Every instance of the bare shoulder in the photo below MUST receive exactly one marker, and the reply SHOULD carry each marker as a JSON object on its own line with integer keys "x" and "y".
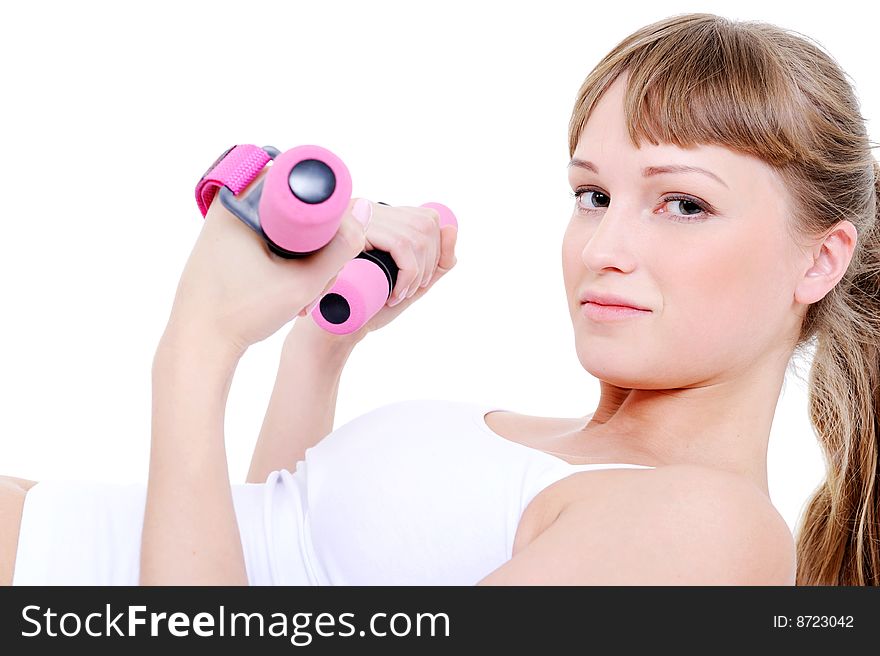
{"x": 674, "y": 525}
{"x": 709, "y": 526}
{"x": 12, "y": 494}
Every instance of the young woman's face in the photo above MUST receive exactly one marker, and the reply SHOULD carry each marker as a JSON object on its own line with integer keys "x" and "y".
{"x": 717, "y": 270}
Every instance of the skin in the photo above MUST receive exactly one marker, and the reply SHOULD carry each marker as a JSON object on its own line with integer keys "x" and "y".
{"x": 217, "y": 315}
{"x": 696, "y": 380}
{"x": 12, "y": 493}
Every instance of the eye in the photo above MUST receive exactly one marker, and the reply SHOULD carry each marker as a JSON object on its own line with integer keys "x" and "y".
{"x": 600, "y": 197}
{"x": 686, "y": 204}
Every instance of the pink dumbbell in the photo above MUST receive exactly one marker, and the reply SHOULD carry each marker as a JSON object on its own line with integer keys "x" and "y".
{"x": 296, "y": 208}
{"x": 363, "y": 286}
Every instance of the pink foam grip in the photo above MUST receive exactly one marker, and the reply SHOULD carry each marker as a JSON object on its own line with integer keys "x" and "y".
{"x": 364, "y": 285}
{"x": 296, "y": 225}
{"x": 446, "y": 215}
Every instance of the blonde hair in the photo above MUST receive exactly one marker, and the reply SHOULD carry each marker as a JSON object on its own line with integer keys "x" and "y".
{"x": 776, "y": 95}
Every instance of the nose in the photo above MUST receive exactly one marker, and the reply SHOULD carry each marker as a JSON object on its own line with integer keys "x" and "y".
{"x": 612, "y": 244}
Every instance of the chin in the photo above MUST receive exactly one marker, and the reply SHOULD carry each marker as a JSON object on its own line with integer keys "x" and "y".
{"x": 616, "y": 378}
{"x": 609, "y": 365}
{"x": 622, "y": 367}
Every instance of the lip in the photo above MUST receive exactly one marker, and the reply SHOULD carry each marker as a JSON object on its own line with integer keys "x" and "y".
{"x": 610, "y": 300}
{"x": 597, "y": 312}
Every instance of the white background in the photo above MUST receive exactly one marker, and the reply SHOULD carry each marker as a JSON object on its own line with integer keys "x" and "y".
{"x": 111, "y": 112}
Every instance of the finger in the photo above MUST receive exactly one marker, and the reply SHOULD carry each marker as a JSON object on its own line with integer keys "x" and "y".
{"x": 448, "y": 240}
{"x": 432, "y": 230}
{"x": 421, "y": 247}
{"x": 424, "y": 235}
{"x": 448, "y": 235}
{"x": 408, "y": 270}
{"x": 397, "y": 240}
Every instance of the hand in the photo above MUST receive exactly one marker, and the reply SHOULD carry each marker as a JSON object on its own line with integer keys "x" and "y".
{"x": 235, "y": 290}
{"x": 423, "y": 251}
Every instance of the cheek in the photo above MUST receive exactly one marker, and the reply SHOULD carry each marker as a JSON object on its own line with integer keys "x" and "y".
{"x": 724, "y": 301}
{"x": 572, "y": 265}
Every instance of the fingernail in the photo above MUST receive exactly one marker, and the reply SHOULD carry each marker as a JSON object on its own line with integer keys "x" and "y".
{"x": 363, "y": 211}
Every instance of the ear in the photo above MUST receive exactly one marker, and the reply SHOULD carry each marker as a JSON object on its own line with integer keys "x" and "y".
{"x": 830, "y": 258}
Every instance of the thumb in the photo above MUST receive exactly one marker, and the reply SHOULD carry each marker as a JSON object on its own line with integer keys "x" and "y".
{"x": 448, "y": 241}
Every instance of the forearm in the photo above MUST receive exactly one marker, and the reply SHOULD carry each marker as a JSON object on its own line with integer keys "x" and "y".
{"x": 303, "y": 402}
{"x": 190, "y": 535}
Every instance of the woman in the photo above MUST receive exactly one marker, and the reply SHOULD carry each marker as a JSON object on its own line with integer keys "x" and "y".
{"x": 722, "y": 174}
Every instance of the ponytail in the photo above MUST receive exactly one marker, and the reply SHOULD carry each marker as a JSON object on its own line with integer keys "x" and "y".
{"x": 838, "y": 539}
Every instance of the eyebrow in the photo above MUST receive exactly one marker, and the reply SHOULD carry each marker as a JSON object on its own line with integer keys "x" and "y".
{"x": 653, "y": 170}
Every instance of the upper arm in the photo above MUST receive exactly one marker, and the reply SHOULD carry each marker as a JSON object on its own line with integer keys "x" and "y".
{"x": 680, "y": 525}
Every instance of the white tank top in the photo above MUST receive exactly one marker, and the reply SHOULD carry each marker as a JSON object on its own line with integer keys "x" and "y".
{"x": 412, "y": 493}
{"x": 418, "y": 492}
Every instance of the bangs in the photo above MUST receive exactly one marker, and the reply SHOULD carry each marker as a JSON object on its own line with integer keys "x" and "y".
{"x": 694, "y": 83}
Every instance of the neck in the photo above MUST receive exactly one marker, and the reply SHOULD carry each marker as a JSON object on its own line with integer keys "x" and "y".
{"x": 722, "y": 423}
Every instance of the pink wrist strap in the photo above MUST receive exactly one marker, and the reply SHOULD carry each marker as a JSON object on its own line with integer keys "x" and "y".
{"x": 235, "y": 168}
